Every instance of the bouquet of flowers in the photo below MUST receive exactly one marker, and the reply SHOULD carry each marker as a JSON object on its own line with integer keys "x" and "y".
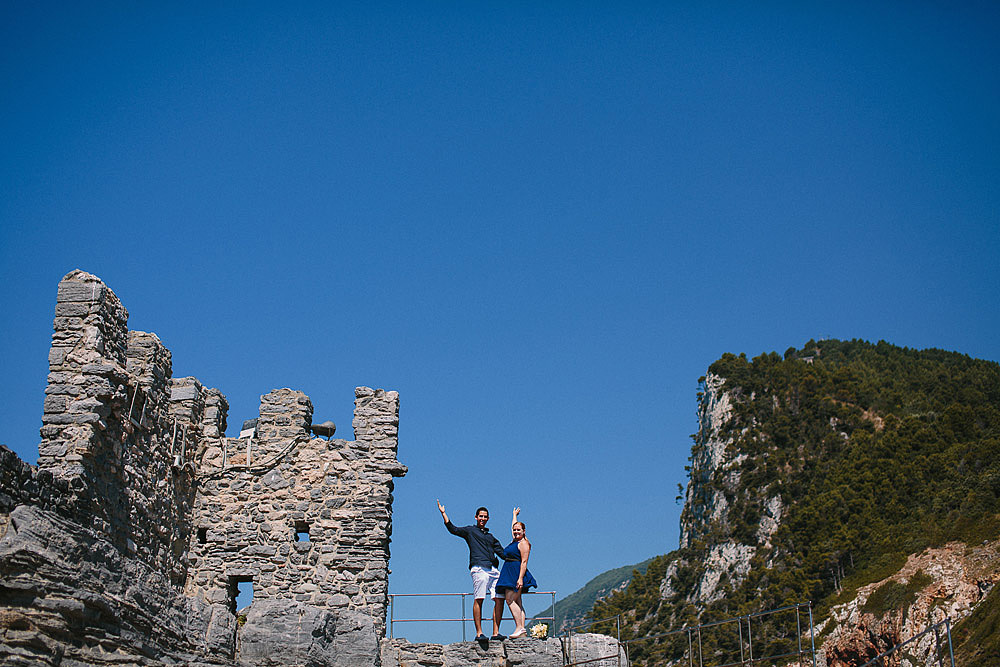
{"x": 540, "y": 631}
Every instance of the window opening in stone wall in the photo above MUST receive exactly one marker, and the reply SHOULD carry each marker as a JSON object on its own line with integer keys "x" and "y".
{"x": 301, "y": 531}
{"x": 137, "y": 407}
{"x": 202, "y": 535}
{"x": 240, "y": 593}
{"x": 180, "y": 454}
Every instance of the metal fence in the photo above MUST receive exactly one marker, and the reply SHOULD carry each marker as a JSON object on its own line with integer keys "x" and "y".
{"x": 739, "y": 630}
{"x": 882, "y": 660}
{"x": 733, "y": 635}
{"x": 464, "y": 618}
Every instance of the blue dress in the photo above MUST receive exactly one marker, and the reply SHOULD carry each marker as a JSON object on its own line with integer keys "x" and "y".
{"x": 512, "y": 568}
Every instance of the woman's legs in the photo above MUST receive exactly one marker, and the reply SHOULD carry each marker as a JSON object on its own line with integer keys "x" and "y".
{"x": 514, "y": 602}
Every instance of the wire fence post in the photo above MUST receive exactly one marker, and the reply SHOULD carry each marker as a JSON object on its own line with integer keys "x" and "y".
{"x": 701, "y": 655}
{"x": 750, "y": 638}
{"x": 798, "y": 631}
{"x": 392, "y": 600}
{"x": 739, "y": 626}
{"x": 812, "y": 634}
{"x": 618, "y": 622}
{"x": 463, "y": 616}
{"x": 951, "y": 651}
{"x": 690, "y": 651}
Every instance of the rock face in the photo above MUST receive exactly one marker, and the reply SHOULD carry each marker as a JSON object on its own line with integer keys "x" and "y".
{"x": 128, "y": 541}
{"x": 715, "y": 473}
{"x": 952, "y": 580}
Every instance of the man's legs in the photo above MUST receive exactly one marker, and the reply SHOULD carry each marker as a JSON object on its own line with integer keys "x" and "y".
{"x": 481, "y": 588}
{"x": 477, "y": 615}
{"x": 497, "y": 604}
{"x": 497, "y": 615}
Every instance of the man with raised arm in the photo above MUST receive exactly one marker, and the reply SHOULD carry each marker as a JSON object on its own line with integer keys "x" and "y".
{"x": 483, "y": 551}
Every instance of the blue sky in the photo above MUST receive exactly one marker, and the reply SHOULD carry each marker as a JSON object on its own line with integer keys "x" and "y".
{"x": 539, "y": 224}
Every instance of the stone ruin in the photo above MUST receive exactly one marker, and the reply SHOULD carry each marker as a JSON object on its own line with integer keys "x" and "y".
{"x": 128, "y": 541}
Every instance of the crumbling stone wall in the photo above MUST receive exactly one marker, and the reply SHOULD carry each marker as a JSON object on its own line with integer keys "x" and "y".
{"x": 123, "y": 545}
{"x": 335, "y": 495}
{"x": 92, "y": 549}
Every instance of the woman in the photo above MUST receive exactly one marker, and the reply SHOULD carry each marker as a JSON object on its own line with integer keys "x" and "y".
{"x": 514, "y": 576}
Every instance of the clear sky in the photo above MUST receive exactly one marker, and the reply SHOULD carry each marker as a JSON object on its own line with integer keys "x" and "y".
{"x": 539, "y": 224}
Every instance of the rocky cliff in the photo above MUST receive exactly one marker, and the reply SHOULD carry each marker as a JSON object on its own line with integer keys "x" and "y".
{"x": 863, "y": 478}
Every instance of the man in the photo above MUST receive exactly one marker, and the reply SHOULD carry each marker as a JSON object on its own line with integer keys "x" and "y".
{"x": 483, "y": 551}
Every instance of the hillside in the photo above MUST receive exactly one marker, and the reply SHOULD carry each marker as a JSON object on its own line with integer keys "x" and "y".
{"x": 817, "y": 473}
{"x": 573, "y": 609}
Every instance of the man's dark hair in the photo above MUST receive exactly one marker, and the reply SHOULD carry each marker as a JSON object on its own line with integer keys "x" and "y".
{"x": 482, "y": 509}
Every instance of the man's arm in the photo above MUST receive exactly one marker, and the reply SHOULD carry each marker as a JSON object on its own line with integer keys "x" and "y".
{"x": 498, "y": 550}
{"x": 447, "y": 522}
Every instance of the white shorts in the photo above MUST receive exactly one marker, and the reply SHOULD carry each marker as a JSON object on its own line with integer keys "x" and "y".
{"x": 484, "y": 582}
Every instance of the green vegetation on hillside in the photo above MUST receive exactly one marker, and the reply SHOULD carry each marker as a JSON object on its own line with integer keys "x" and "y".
{"x": 573, "y": 609}
{"x": 875, "y": 451}
{"x": 894, "y": 595}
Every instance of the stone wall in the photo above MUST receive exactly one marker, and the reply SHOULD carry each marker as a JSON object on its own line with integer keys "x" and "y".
{"x": 307, "y": 524}
{"x": 93, "y": 542}
{"x": 124, "y": 544}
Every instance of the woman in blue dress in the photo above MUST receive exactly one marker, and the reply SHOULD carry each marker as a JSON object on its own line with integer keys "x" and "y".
{"x": 514, "y": 576}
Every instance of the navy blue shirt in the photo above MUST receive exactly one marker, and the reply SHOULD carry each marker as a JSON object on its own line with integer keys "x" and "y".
{"x": 482, "y": 544}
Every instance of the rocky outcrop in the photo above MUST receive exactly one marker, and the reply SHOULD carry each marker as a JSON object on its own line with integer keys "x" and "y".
{"x": 951, "y": 580}
{"x": 277, "y": 633}
{"x": 714, "y": 477}
{"x": 603, "y": 651}
{"x": 711, "y": 460}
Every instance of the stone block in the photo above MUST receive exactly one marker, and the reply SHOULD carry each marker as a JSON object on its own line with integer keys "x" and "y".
{"x": 74, "y": 309}
{"x": 184, "y": 393}
{"x": 70, "y": 291}
{"x": 67, "y": 389}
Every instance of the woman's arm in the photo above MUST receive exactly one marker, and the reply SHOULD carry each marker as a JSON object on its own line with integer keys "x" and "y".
{"x": 513, "y": 520}
{"x": 525, "y": 548}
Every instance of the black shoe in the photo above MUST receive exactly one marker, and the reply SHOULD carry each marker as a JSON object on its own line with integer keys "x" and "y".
{"x": 482, "y": 639}
{"x": 498, "y": 638}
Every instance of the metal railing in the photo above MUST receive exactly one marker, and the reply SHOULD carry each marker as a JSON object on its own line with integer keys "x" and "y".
{"x": 879, "y": 660}
{"x": 693, "y": 634}
{"x": 464, "y": 619}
